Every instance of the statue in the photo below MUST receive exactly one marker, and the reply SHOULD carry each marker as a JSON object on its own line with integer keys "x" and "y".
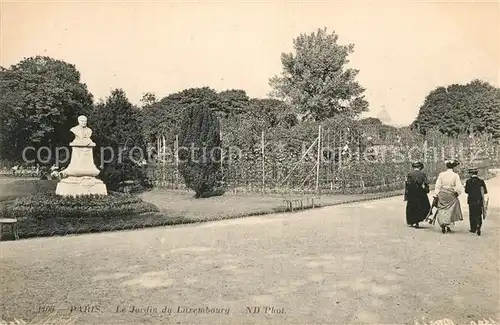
{"x": 79, "y": 176}
{"x": 82, "y": 133}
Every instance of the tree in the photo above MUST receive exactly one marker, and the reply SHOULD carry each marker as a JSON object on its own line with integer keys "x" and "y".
{"x": 273, "y": 112}
{"x": 40, "y": 100}
{"x": 315, "y": 79}
{"x": 162, "y": 117}
{"x": 117, "y": 126}
{"x": 148, "y": 99}
{"x": 201, "y": 154}
{"x": 459, "y": 109}
{"x": 373, "y": 127}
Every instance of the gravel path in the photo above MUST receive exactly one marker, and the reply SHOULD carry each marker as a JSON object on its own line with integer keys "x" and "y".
{"x": 350, "y": 264}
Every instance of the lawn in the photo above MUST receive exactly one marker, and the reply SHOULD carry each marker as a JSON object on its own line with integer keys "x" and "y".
{"x": 14, "y": 187}
{"x": 182, "y": 205}
{"x": 174, "y": 208}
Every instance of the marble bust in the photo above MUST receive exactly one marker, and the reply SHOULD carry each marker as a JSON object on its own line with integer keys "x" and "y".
{"x": 82, "y": 134}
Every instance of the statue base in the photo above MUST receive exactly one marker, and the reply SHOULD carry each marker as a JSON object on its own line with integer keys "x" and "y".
{"x": 85, "y": 185}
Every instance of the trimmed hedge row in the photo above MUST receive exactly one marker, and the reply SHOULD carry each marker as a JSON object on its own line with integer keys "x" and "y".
{"x": 50, "y": 205}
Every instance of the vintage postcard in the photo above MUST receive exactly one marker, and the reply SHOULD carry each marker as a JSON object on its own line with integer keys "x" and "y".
{"x": 249, "y": 162}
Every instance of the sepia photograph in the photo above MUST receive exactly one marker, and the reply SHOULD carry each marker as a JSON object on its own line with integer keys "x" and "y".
{"x": 249, "y": 162}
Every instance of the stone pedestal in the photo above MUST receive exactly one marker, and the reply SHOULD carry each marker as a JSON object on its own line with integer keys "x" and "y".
{"x": 83, "y": 185}
{"x": 80, "y": 174}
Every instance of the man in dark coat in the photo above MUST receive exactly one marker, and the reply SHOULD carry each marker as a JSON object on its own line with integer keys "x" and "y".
{"x": 416, "y": 189}
{"x": 475, "y": 187}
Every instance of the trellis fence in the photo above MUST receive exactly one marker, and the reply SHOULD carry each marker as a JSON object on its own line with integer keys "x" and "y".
{"x": 332, "y": 160}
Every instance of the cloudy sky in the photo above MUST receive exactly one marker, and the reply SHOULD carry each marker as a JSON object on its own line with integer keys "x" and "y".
{"x": 403, "y": 49}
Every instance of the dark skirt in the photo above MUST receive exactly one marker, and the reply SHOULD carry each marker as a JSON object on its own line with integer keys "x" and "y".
{"x": 417, "y": 207}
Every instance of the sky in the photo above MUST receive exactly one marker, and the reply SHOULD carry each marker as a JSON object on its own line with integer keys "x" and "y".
{"x": 403, "y": 49}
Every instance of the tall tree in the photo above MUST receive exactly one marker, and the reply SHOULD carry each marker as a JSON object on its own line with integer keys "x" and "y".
{"x": 201, "y": 155}
{"x": 459, "y": 109}
{"x": 40, "y": 100}
{"x": 316, "y": 81}
{"x": 117, "y": 126}
{"x": 117, "y": 121}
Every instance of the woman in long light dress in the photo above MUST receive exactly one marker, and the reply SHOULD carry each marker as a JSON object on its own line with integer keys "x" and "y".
{"x": 448, "y": 188}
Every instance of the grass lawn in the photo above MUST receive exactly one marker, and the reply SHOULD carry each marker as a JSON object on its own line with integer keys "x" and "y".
{"x": 183, "y": 207}
{"x": 13, "y": 187}
{"x": 174, "y": 208}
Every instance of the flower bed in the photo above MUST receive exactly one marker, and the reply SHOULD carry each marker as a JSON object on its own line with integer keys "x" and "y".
{"x": 49, "y": 214}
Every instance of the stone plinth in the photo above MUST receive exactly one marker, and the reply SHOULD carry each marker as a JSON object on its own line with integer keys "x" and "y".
{"x": 83, "y": 185}
{"x": 82, "y": 162}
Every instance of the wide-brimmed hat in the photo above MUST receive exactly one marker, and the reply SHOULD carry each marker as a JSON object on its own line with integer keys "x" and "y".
{"x": 417, "y": 164}
{"x": 452, "y": 162}
{"x": 473, "y": 170}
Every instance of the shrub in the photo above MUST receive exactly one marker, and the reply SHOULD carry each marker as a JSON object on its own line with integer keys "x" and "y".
{"x": 201, "y": 168}
{"x": 51, "y": 206}
{"x": 116, "y": 174}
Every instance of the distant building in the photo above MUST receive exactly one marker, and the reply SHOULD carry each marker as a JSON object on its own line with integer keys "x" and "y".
{"x": 383, "y": 116}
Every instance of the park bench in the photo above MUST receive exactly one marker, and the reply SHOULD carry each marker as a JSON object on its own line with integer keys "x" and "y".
{"x": 127, "y": 186}
{"x": 302, "y": 203}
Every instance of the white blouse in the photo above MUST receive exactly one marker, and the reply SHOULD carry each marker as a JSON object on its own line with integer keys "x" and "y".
{"x": 449, "y": 179}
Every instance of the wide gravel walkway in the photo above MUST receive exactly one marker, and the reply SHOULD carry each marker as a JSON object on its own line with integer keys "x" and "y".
{"x": 350, "y": 264}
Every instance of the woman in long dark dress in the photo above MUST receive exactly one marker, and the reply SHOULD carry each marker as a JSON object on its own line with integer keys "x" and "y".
{"x": 416, "y": 189}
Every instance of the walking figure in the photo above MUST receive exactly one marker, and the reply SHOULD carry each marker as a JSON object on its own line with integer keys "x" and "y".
{"x": 416, "y": 189}
{"x": 476, "y": 189}
{"x": 448, "y": 189}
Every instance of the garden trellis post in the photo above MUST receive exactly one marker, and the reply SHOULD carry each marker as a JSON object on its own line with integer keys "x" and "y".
{"x": 176, "y": 161}
{"x": 164, "y": 151}
{"x": 221, "y": 149}
{"x": 263, "y": 162}
{"x": 319, "y": 159}
{"x": 157, "y": 147}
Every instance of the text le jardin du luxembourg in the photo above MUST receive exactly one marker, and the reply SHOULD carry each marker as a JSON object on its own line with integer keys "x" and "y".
{"x": 205, "y": 310}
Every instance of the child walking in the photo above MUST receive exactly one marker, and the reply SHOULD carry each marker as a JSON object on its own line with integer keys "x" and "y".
{"x": 475, "y": 187}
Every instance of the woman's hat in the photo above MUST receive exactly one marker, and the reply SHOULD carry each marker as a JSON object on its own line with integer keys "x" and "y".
{"x": 417, "y": 164}
{"x": 453, "y": 162}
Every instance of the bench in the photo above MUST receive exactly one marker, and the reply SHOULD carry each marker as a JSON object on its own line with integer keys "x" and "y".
{"x": 126, "y": 186}
{"x": 300, "y": 204}
{"x": 13, "y": 227}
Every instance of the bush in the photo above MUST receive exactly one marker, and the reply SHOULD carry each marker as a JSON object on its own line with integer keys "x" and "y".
{"x": 52, "y": 206}
{"x": 201, "y": 169}
{"x": 115, "y": 175}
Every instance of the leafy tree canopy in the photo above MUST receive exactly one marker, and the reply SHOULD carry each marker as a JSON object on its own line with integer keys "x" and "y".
{"x": 315, "y": 79}
{"x": 116, "y": 123}
{"x": 40, "y": 100}
{"x": 117, "y": 126}
{"x": 458, "y": 109}
{"x": 163, "y": 116}
{"x": 273, "y": 112}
